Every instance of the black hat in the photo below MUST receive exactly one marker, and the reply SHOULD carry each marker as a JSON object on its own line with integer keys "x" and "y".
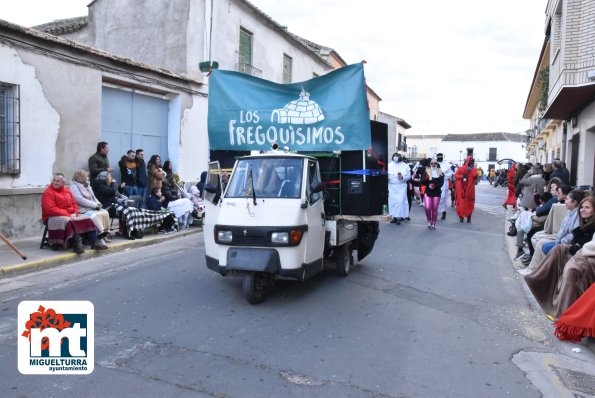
{"x": 440, "y": 154}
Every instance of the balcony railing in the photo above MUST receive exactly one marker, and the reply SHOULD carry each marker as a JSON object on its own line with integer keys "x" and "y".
{"x": 248, "y": 69}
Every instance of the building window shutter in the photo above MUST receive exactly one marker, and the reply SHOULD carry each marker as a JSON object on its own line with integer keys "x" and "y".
{"x": 287, "y": 66}
{"x": 245, "y": 51}
{"x": 493, "y": 154}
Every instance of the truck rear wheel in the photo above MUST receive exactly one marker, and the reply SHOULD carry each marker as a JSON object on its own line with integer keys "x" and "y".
{"x": 343, "y": 259}
{"x": 256, "y": 286}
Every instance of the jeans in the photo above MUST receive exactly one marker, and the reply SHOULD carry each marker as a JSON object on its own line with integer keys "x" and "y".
{"x": 130, "y": 190}
{"x": 547, "y": 247}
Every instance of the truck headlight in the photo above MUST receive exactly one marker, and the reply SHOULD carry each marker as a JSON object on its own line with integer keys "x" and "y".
{"x": 291, "y": 238}
{"x": 280, "y": 238}
{"x": 224, "y": 236}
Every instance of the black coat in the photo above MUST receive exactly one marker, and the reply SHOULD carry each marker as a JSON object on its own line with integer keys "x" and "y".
{"x": 437, "y": 181}
{"x": 169, "y": 194}
{"x": 106, "y": 194}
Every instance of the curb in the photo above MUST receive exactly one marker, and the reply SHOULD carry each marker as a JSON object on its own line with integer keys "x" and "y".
{"x": 70, "y": 257}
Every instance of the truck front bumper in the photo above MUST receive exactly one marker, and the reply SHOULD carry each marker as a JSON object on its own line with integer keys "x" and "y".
{"x": 243, "y": 259}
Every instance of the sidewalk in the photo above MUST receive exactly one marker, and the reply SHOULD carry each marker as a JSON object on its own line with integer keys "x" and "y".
{"x": 11, "y": 263}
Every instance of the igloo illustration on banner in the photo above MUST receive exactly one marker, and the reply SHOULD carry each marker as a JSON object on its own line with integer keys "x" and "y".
{"x": 301, "y": 111}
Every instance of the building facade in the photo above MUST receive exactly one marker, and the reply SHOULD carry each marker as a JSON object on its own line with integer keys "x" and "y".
{"x": 60, "y": 98}
{"x": 561, "y": 100}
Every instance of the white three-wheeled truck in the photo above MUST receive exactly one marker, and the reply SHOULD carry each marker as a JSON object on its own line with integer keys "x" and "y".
{"x": 269, "y": 221}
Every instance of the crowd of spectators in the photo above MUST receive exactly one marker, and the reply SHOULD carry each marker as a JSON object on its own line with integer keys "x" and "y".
{"x": 81, "y": 213}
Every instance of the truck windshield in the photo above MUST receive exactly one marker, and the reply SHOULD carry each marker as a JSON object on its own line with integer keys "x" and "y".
{"x": 270, "y": 177}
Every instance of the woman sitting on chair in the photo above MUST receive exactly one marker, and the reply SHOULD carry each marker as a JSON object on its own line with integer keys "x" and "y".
{"x": 60, "y": 213}
{"x": 182, "y": 207}
{"x": 88, "y": 204}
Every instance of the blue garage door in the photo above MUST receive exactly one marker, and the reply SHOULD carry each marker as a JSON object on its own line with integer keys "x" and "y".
{"x": 130, "y": 120}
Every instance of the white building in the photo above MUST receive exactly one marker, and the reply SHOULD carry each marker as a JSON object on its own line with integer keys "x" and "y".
{"x": 396, "y": 132}
{"x": 487, "y": 148}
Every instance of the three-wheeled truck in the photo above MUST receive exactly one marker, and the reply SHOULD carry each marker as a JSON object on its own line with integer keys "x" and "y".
{"x": 269, "y": 220}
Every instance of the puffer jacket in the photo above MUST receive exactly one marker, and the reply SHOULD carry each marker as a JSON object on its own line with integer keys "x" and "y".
{"x": 532, "y": 184}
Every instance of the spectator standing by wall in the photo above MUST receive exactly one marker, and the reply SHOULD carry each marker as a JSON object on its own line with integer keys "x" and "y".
{"x": 532, "y": 183}
{"x": 99, "y": 162}
{"x": 128, "y": 171}
{"x": 155, "y": 173}
{"x": 561, "y": 172}
{"x": 141, "y": 173}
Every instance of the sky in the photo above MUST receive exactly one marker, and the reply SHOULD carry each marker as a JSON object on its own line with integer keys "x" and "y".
{"x": 445, "y": 67}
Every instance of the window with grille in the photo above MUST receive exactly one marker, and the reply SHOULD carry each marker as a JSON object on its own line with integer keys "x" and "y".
{"x": 287, "y": 66}
{"x": 245, "y": 51}
{"x": 10, "y": 129}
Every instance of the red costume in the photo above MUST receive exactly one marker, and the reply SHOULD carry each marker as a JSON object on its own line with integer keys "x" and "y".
{"x": 511, "y": 198}
{"x": 57, "y": 202}
{"x": 465, "y": 188}
{"x": 579, "y": 319}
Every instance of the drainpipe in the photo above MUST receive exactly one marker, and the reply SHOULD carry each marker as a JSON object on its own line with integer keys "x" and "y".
{"x": 564, "y": 138}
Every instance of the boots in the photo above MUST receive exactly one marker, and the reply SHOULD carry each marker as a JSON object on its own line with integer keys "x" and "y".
{"x": 77, "y": 245}
{"x": 99, "y": 245}
{"x": 462, "y": 219}
{"x": 443, "y": 216}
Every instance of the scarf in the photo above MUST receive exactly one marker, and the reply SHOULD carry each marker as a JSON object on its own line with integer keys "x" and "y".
{"x": 85, "y": 191}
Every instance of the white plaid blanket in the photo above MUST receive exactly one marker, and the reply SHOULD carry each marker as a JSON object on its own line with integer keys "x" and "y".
{"x": 141, "y": 218}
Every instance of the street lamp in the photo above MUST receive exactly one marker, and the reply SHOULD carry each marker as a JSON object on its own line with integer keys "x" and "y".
{"x": 460, "y": 157}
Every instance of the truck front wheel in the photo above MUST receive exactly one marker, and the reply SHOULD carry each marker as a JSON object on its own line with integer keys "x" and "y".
{"x": 343, "y": 259}
{"x": 256, "y": 286}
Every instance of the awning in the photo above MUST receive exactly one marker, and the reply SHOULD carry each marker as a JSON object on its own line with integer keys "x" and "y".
{"x": 569, "y": 101}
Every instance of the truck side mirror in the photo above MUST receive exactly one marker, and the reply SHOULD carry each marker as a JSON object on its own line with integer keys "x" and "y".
{"x": 211, "y": 188}
{"x": 318, "y": 187}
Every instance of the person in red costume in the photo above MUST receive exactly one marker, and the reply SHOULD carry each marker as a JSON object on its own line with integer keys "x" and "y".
{"x": 60, "y": 213}
{"x": 511, "y": 198}
{"x": 465, "y": 178}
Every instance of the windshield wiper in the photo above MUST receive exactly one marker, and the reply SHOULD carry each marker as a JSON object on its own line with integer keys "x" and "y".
{"x": 250, "y": 176}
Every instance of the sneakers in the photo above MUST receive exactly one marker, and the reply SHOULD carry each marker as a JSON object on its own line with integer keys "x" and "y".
{"x": 519, "y": 253}
{"x": 526, "y": 259}
{"x": 525, "y": 271}
{"x": 99, "y": 245}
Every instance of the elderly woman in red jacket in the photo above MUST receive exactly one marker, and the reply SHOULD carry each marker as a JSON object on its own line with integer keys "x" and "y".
{"x": 59, "y": 212}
